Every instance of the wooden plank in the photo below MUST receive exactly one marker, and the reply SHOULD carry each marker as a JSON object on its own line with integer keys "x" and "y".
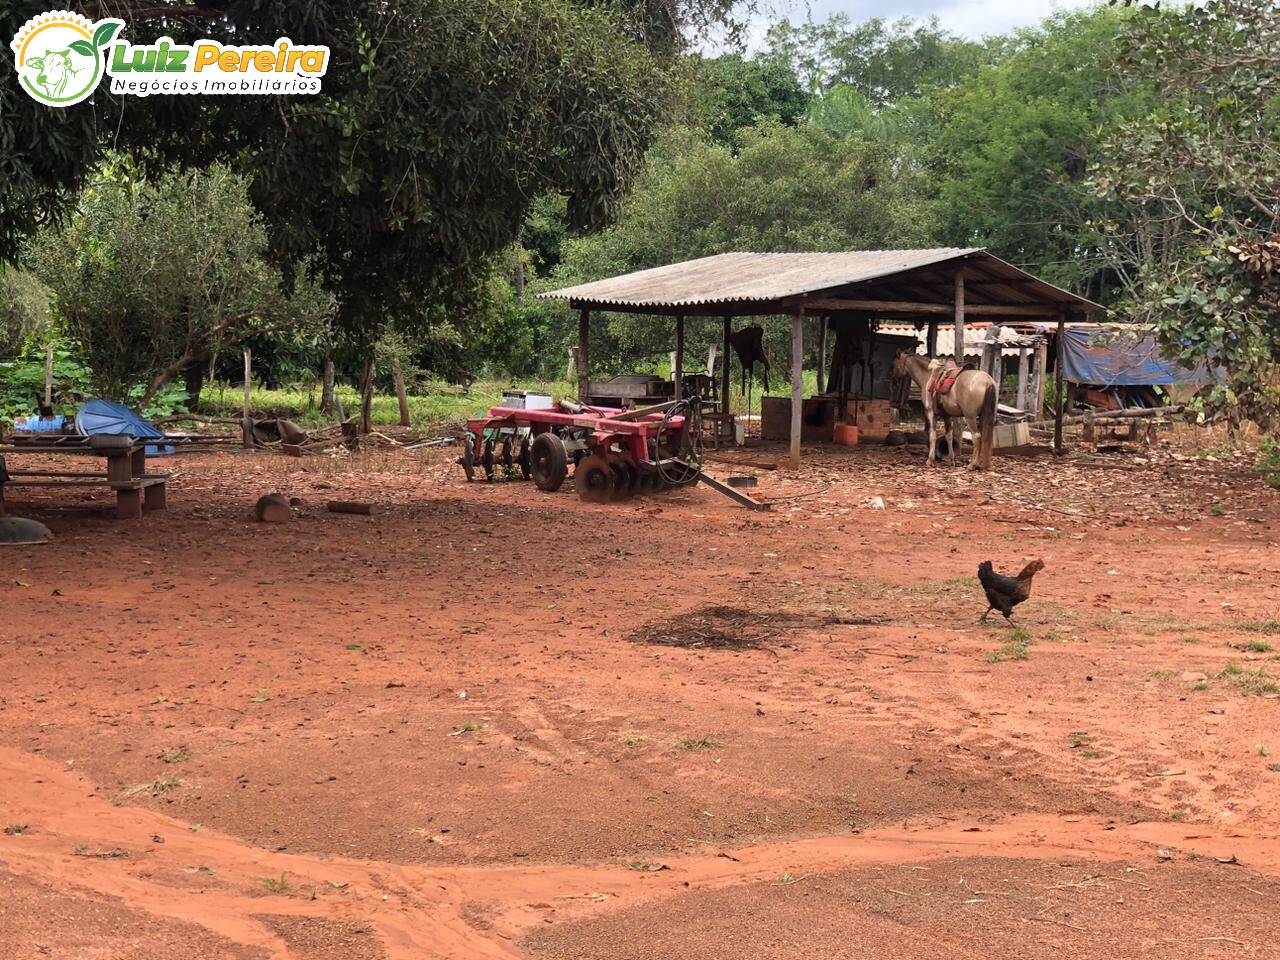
{"x": 797, "y": 384}
{"x": 906, "y": 306}
{"x": 724, "y": 366}
{"x": 735, "y": 495}
{"x": 677, "y": 371}
{"x": 584, "y": 329}
{"x": 958, "y": 340}
{"x": 1060, "y": 400}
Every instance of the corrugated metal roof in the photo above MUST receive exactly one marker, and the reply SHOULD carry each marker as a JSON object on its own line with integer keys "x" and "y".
{"x": 763, "y": 277}
{"x": 975, "y": 337}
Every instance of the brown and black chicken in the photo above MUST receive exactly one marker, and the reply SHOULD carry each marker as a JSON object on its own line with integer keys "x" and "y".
{"x": 1004, "y": 593}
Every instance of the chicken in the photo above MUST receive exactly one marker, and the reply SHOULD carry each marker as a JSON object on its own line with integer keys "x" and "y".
{"x": 1005, "y": 593}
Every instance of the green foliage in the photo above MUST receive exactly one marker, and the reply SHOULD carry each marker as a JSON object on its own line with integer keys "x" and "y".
{"x": 884, "y": 62}
{"x": 1269, "y": 462}
{"x": 1198, "y": 201}
{"x": 1013, "y": 142}
{"x": 786, "y": 189}
{"x": 22, "y": 381}
{"x": 734, "y": 91}
{"x": 24, "y": 310}
{"x": 151, "y": 276}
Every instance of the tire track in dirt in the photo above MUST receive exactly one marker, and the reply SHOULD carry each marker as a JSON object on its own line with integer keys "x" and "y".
{"x": 421, "y": 912}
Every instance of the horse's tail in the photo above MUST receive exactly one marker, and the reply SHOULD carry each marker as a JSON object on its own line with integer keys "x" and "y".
{"x": 987, "y": 427}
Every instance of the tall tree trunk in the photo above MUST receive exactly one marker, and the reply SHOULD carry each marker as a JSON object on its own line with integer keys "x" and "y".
{"x": 366, "y": 394}
{"x": 193, "y": 378}
{"x": 401, "y": 395}
{"x": 326, "y": 389}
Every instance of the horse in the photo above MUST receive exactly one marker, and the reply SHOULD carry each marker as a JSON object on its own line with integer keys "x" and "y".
{"x": 971, "y": 399}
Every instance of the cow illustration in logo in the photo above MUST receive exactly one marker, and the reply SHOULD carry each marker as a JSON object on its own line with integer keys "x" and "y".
{"x": 59, "y": 56}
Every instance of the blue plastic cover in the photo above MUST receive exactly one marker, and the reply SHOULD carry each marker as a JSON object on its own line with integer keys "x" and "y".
{"x": 1101, "y": 357}
{"x": 107, "y": 417}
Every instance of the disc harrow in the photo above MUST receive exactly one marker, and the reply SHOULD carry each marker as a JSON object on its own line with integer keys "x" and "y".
{"x": 615, "y": 453}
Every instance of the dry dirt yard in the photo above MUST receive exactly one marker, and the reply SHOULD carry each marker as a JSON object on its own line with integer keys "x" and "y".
{"x": 495, "y": 723}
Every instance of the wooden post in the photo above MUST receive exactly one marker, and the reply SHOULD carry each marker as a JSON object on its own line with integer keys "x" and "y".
{"x": 959, "y": 321}
{"x": 724, "y": 367}
{"x": 48, "y": 380}
{"x": 677, "y": 369}
{"x": 246, "y": 425}
{"x": 823, "y": 320}
{"x": 248, "y": 381}
{"x": 402, "y": 395}
{"x": 1038, "y": 375}
{"x": 326, "y": 389}
{"x": 366, "y": 394}
{"x": 1023, "y": 353}
{"x": 584, "y": 327}
{"x": 931, "y": 341}
{"x": 1060, "y": 398}
{"x": 797, "y": 384}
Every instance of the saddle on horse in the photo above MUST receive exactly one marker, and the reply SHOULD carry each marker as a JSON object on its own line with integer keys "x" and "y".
{"x": 944, "y": 377}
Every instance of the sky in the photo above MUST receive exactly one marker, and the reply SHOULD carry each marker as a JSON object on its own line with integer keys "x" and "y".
{"x": 971, "y": 18}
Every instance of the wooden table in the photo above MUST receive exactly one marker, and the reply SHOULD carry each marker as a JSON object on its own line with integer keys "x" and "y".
{"x": 126, "y": 470}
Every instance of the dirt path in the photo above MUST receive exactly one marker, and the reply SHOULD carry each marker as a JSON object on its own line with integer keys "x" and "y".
{"x": 495, "y": 723}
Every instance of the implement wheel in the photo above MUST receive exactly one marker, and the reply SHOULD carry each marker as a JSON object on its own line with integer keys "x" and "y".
{"x": 468, "y": 461}
{"x": 486, "y": 460}
{"x": 524, "y": 460}
{"x": 548, "y": 462}
{"x": 594, "y": 479}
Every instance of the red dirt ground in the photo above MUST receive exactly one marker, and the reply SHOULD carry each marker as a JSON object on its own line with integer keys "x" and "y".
{"x": 493, "y": 723}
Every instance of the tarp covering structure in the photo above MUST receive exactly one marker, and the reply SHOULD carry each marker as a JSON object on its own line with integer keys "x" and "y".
{"x": 1101, "y": 356}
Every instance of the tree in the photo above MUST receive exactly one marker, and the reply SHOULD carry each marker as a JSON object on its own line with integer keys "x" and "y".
{"x": 1011, "y": 145}
{"x": 24, "y": 310}
{"x": 884, "y": 62}
{"x": 734, "y": 91}
{"x": 1196, "y": 227}
{"x": 439, "y": 124}
{"x": 785, "y": 189}
{"x": 150, "y": 277}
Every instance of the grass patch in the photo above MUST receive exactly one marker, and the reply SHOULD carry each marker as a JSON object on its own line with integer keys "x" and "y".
{"x": 278, "y": 885}
{"x": 1078, "y": 739}
{"x": 1010, "y": 651}
{"x": 1252, "y": 682}
{"x": 1254, "y": 646}
{"x": 1162, "y": 674}
{"x": 15, "y": 829}
{"x": 155, "y": 788}
{"x": 702, "y": 743}
{"x": 181, "y": 755}
{"x": 1268, "y": 628}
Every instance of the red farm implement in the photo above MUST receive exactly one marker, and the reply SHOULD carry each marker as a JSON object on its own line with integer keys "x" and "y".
{"x": 615, "y": 453}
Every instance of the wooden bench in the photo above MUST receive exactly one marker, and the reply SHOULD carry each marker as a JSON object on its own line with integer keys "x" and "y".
{"x": 126, "y": 473}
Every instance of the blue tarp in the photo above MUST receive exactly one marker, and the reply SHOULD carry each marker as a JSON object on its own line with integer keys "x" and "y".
{"x": 1101, "y": 356}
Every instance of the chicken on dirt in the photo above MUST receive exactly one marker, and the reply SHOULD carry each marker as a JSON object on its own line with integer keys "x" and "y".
{"x": 1004, "y": 592}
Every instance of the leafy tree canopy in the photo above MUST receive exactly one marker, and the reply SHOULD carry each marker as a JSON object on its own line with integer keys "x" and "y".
{"x": 438, "y": 125}
{"x": 883, "y": 61}
{"x": 1195, "y": 184}
{"x": 734, "y": 91}
{"x": 785, "y": 189}
{"x": 152, "y": 276}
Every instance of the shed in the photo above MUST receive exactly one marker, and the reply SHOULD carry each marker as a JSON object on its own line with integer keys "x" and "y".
{"x": 921, "y": 285}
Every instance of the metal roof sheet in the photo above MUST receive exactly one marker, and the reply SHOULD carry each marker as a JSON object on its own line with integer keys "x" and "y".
{"x": 762, "y": 277}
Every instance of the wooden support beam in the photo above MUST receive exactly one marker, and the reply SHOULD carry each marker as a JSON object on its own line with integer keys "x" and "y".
{"x": 931, "y": 341}
{"x": 823, "y": 322}
{"x": 797, "y": 383}
{"x": 1038, "y": 376}
{"x": 958, "y": 349}
{"x": 1023, "y": 356}
{"x": 724, "y": 366}
{"x": 942, "y": 309}
{"x": 1060, "y": 398}
{"x": 677, "y": 372}
{"x": 584, "y": 328}
{"x": 245, "y": 422}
